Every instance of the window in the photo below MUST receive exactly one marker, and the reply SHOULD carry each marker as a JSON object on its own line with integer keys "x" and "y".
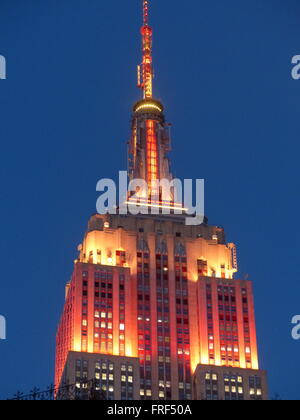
{"x": 120, "y": 258}
{"x": 202, "y": 268}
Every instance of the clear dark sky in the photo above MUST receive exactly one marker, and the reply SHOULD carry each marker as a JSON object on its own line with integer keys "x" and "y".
{"x": 223, "y": 73}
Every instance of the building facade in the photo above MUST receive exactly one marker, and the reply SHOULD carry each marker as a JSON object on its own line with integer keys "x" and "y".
{"x": 155, "y": 300}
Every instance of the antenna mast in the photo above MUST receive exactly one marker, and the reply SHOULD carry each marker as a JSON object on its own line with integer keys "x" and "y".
{"x": 145, "y": 70}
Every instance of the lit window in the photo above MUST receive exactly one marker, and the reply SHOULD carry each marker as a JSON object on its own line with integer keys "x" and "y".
{"x": 207, "y": 376}
{"x": 259, "y": 392}
{"x": 122, "y": 327}
{"x": 214, "y": 377}
{"x": 148, "y": 393}
{"x": 84, "y": 322}
{"x": 130, "y": 379}
{"x": 130, "y": 368}
{"x": 123, "y": 378}
{"x": 111, "y": 377}
{"x": 97, "y": 375}
{"x": 241, "y": 391}
{"x": 161, "y": 394}
{"x": 142, "y": 392}
{"x": 111, "y": 389}
{"x": 103, "y": 315}
{"x": 104, "y": 376}
{"x": 123, "y": 368}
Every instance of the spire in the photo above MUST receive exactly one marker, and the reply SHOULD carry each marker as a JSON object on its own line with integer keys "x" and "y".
{"x": 146, "y": 12}
{"x": 145, "y": 70}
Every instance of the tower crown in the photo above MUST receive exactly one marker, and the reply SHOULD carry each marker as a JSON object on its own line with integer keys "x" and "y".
{"x": 148, "y": 105}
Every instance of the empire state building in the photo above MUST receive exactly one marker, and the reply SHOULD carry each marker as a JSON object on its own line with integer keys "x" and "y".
{"x": 153, "y": 310}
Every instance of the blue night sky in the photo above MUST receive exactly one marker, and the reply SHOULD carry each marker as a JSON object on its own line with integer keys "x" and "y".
{"x": 223, "y": 71}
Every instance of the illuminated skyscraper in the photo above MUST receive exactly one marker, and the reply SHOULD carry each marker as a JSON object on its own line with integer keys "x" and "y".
{"x": 153, "y": 310}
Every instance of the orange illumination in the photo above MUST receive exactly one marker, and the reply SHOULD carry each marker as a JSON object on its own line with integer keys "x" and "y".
{"x": 145, "y": 72}
{"x": 152, "y": 152}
